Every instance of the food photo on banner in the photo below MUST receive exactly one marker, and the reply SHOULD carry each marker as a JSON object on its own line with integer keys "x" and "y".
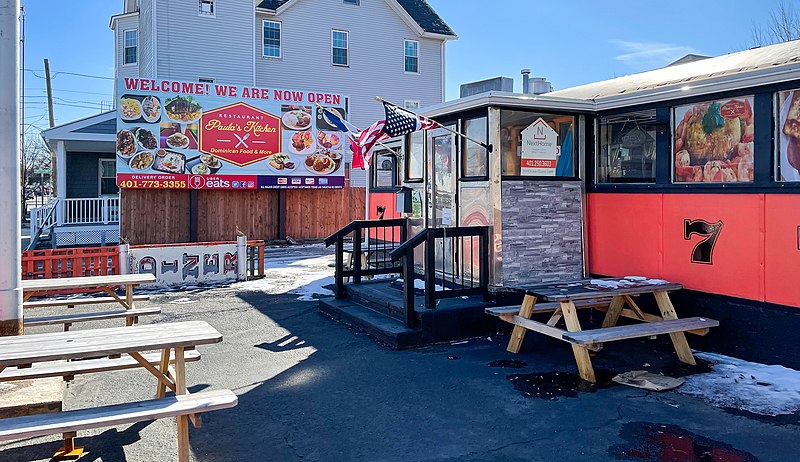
{"x": 187, "y": 135}
{"x": 788, "y": 136}
{"x": 713, "y": 141}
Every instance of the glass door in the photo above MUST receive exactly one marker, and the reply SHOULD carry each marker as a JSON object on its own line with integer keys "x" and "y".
{"x": 442, "y": 208}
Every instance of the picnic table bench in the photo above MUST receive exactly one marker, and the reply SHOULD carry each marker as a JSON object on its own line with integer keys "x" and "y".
{"x": 107, "y": 284}
{"x": 125, "y": 347}
{"x": 610, "y": 295}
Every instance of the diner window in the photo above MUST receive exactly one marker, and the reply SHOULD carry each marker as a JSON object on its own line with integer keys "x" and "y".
{"x": 108, "y": 177}
{"x": 627, "y": 148}
{"x": 415, "y": 160}
{"x": 272, "y": 39}
{"x": 474, "y": 157}
{"x": 384, "y": 170}
{"x": 713, "y": 141}
{"x": 536, "y": 144}
{"x": 411, "y": 55}
{"x": 339, "y": 43}
{"x": 131, "y": 46}
{"x": 206, "y": 8}
{"x": 787, "y": 135}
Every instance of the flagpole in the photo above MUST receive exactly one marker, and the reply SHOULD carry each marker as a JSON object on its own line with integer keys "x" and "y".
{"x": 488, "y": 147}
{"x": 353, "y": 138}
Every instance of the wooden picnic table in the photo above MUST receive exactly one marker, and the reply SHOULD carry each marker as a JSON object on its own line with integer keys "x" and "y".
{"x": 25, "y": 350}
{"x": 107, "y": 284}
{"x": 567, "y": 297}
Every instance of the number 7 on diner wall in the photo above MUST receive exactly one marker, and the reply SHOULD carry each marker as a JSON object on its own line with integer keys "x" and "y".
{"x": 703, "y": 251}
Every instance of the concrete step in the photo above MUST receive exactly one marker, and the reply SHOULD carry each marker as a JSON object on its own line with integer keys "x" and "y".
{"x": 387, "y": 330}
{"x": 381, "y": 296}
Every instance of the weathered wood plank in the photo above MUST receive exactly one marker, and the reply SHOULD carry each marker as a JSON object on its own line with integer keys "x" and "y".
{"x": 518, "y": 333}
{"x": 85, "y": 317}
{"x": 577, "y": 290}
{"x": 86, "y": 366}
{"x": 79, "y": 301}
{"x": 585, "y": 369}
{"x": 26, "y": 349}
{"x": 609, "y": 334}
{"x": 87, "y": 282}
{"x": 678, "y": 338}
{"x": 548, "y": 306}
{"x": 33, "y": 426}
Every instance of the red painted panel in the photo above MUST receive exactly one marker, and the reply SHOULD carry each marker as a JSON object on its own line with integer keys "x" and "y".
{"x": 782, "y": 249}
{"x": 624, "y": 234}
{"x": 388, "y": 202}
{"x": 734, "y": 264}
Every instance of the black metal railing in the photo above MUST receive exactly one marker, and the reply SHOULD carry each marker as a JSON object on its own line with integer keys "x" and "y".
{"x": 373, "y": 242}
{"x": 449, "y": 260}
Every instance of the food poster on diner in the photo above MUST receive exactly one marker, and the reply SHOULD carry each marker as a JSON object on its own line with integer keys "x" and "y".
{"x": 188, "y": 135}
{"x": 713, "y": 141}
{"x": 788, "y": 136}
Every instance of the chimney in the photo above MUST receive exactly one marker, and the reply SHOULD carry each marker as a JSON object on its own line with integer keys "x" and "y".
{"x": 539, "y": 85}
{"x": 526, "y": 73}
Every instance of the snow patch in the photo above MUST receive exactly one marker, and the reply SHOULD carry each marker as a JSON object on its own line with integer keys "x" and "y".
{"x": 739, "y": 384}
{"x": 294, "y": 274}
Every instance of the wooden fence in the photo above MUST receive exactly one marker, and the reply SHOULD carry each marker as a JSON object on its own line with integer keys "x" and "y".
{"x": 163, "y": 216}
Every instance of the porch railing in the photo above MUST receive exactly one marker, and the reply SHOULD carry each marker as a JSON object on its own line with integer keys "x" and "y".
{"x": 449, "y": 259}
{"x": 373, "y": 241}
{"x": 90, "y": 210}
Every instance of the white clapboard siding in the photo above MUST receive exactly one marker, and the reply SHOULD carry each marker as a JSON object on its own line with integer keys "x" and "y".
{"x": 146, "y": 40}
{"x": 190, "y": 46}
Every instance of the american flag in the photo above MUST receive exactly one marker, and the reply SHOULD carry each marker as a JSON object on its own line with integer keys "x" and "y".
{"x": 398, "y": 122}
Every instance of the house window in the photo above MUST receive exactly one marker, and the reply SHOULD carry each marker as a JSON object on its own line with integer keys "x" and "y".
{"x": 474, "y": 157}
{"x": 205, "y": 80}
{"x": 108, "y": 177}
{"x": 272, "y": 39}
{"x": 339, "y": 42}
{"x": 206, "y": 8}
{"x": 627, "y": 148}
{"x": 412, "y": 55}
{"x": 353, "y": 2}
{"x": 411, "y": 104}
{"x": 131, "y": 47}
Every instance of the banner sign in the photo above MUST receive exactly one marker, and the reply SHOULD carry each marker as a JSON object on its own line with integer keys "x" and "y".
{"x": 185, "y": 264}
{"x": 540, "y": 150}
{"x": 186, "y": 135}
{"x": 714, "y": 141}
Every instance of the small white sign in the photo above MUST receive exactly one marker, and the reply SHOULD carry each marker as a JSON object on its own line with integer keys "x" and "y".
{"x": 185, "y": 264}
{"x": 540, "y": 150}
{"x": 447, "y": 216}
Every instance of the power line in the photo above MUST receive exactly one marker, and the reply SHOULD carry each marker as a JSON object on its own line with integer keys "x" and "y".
{"x": 72, "y": 91}
{"x": 56, "y": 74}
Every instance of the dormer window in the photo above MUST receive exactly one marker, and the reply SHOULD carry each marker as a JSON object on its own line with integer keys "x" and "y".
{"x": 207, "y": 8}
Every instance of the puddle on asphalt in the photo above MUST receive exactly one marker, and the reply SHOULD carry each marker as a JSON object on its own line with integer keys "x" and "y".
{"x": 508, "y": 363}
{"x": 553, "y": 385}
{"x": 649, "y": 442}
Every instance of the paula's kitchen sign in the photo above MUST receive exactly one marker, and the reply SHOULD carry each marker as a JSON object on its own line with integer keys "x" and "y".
{"x": 187, "y": 135}
{"x": 540, "y": 150}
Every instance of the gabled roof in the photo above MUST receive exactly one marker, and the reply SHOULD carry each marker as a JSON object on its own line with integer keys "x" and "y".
{"x": 419, "y": 10}
{"x": 729, "y": 66}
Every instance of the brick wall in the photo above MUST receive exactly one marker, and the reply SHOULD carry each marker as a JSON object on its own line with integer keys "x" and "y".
{"x": 541, "y": 232}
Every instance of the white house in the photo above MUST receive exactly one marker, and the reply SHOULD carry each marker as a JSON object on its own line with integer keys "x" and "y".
{"x": 359, "y": 48}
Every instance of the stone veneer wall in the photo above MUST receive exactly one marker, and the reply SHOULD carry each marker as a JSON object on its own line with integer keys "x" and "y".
{"x": 541, "y": 232}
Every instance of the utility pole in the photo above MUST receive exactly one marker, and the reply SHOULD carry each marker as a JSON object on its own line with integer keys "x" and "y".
{"x": 53, "y": 164}
{"x": 10, "y": 244}
{"x": 23, "y": 180}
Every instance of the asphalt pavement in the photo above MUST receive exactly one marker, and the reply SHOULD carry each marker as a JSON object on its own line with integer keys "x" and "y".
{"x": 312, "y": 389}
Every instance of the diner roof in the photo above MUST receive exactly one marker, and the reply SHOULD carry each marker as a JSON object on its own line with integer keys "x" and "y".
{"x": 419, "y": 10}
{"x": 732, "y": 64}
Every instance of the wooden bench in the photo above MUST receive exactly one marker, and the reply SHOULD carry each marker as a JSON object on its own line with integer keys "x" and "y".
{"x": 549, "y": 307}
{"x": 72, "y": 302}
{"x": 69, "y": 319}
{"x": 610, "y": 334}
{"x": 69, "y": 423}
{"x": 69, "y": 369}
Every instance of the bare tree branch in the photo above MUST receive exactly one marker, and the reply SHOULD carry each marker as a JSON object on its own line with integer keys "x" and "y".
{"x": 783, "y": 25}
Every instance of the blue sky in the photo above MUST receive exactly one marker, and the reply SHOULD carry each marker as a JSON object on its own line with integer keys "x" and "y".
{"x": 570, "y": 43}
